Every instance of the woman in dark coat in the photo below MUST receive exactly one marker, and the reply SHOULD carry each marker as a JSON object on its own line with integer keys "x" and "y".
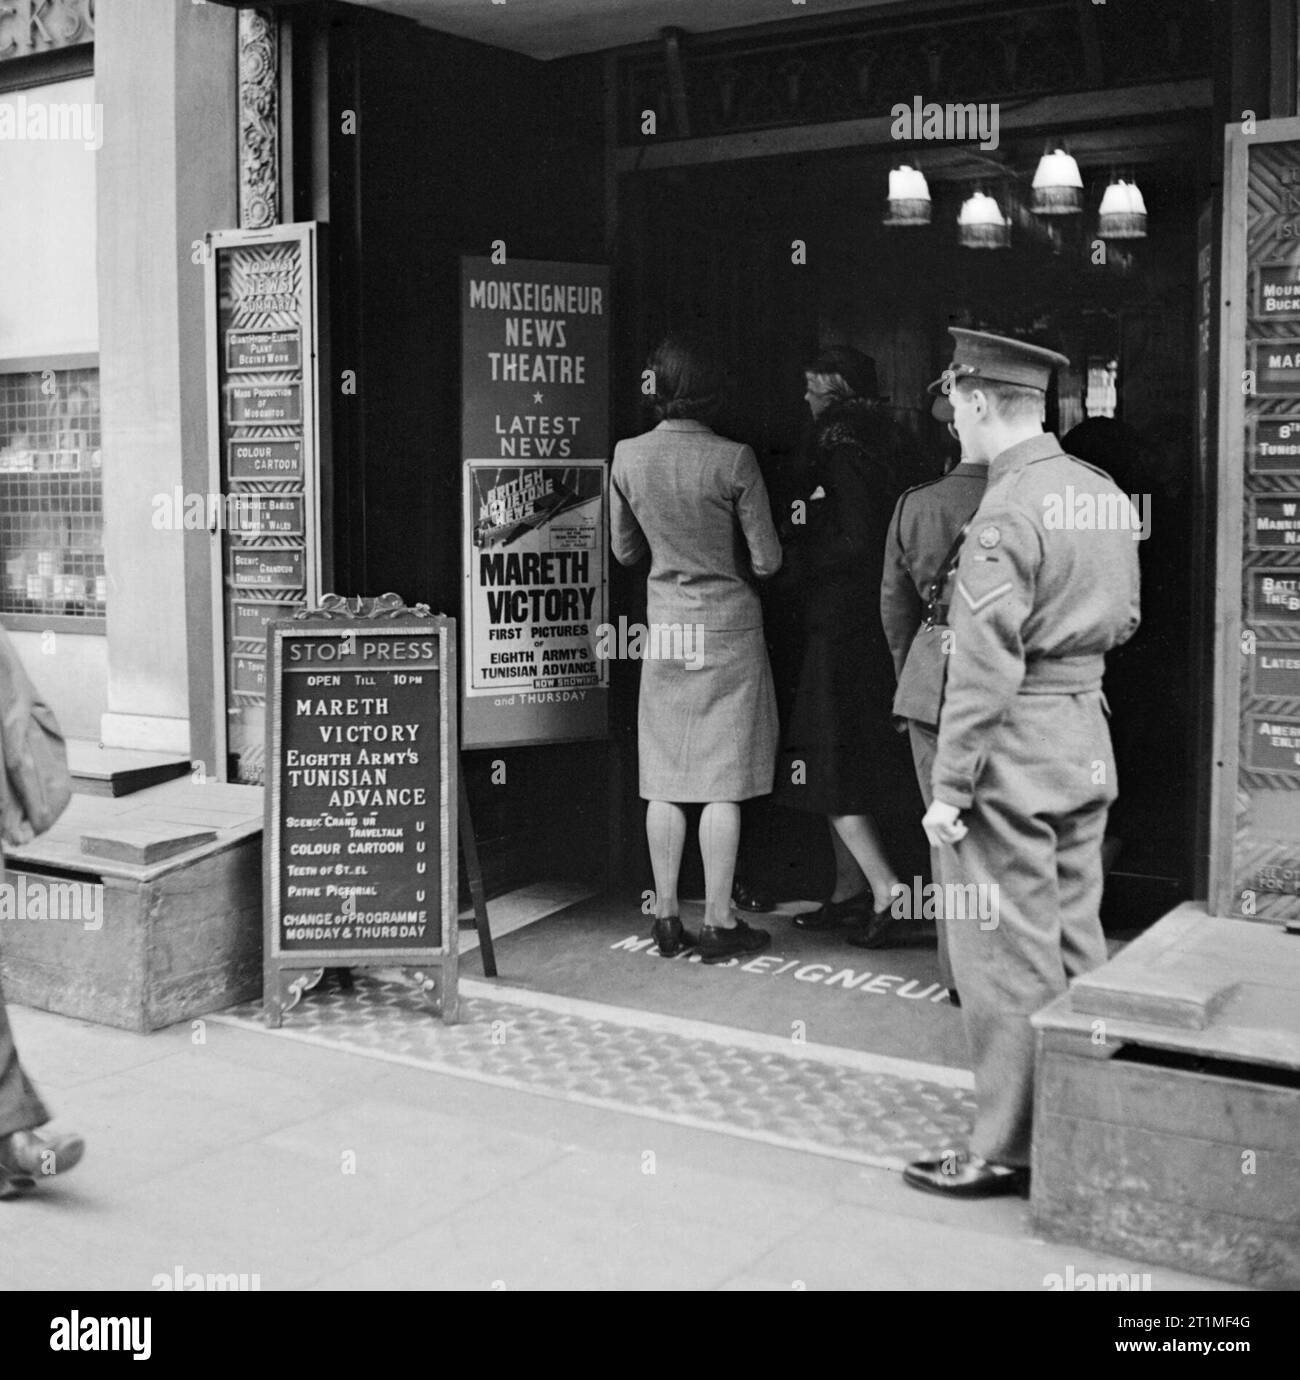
{"x": 841, "y": 754}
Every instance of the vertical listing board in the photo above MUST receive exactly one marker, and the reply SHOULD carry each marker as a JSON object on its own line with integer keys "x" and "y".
{"x": 1262, "y": 283}
{"x": 362, "y": 772}
{"x": 535, "y": 442}
{"x": 267, "y": 453}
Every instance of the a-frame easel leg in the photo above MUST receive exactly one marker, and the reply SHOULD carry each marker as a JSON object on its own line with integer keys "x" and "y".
{"x": 469, "y": 846}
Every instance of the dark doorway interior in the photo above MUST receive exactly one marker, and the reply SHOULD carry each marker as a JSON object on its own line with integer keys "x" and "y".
{"x": 717, "y": 245}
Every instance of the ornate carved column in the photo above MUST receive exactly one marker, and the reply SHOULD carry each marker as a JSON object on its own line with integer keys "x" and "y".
{"x": 259, "y": 120}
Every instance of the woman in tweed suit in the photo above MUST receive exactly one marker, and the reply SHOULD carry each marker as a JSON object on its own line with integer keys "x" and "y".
{"x": 695, "y": 503}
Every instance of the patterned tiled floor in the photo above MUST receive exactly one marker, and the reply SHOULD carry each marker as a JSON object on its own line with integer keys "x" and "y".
{"x": 796, "y": 1100}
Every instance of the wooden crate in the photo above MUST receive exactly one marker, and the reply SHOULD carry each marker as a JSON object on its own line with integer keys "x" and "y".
{"x": 173, "y": 940}
{"x": 1176, "y": 1138}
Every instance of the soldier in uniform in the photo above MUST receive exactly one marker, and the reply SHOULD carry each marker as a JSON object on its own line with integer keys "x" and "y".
{"x": 927, "y": 523}
{"x": 1024, "y": 773}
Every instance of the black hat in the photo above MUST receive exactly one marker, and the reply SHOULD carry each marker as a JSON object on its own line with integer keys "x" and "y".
{"x": 856, "y": 369}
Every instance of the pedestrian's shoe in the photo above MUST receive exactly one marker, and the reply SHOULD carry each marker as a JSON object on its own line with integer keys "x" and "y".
{"x": 881, "y": 929}
{"x": 671, "y": 936}
{"x": 751, "y": 898}
{"x": 954, "y": 997}
{"x": 26, "y": 1158}
{"x": 961, "y": 1174}
{"x": 832, "y": 914}
{"x": 717, "y": 944}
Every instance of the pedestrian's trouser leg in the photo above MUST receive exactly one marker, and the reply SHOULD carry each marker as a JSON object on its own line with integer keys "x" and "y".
{"x": 1009, "y": 963}
{"x": 21, "y": 1108}
{"x": 925, "y": 742}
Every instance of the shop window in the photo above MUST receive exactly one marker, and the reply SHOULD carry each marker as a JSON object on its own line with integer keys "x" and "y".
{"x": 51, "y": 497}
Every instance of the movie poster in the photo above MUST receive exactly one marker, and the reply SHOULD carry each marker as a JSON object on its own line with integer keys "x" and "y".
{"x": 535, "y": 436}
{"x": 535, "y": 592}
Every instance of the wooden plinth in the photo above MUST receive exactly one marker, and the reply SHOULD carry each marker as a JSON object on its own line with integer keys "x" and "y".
{"x": 171, "y": 940}
{"x": 1167, "y": 1104}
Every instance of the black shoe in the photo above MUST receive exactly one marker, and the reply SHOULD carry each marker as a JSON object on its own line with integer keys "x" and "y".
{"x": 671, "y": 936}
{"x": 717, "y": 943}
{"x": 833, "y": 914}
{"x": 26, "y": 1158}
{"x": 953, "y": 998}
{"x": 752, "y": 899}
{"x": 963, "y": 1175}
{"x": 881, "y": 930}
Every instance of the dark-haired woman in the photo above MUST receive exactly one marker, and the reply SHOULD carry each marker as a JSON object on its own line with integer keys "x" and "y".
{"x": 841, "y": 756}
{"x": 695, "y": 502}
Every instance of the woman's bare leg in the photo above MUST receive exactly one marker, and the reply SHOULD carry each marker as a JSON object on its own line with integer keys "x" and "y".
{"x": 665, "y": 831}
{"x": 861, "y": 837}
{"x": 850, "y": 880}
{"x": 719, "y": 840}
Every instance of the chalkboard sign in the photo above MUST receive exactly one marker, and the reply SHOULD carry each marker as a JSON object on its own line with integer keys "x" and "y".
{"x": 361, "y": 800}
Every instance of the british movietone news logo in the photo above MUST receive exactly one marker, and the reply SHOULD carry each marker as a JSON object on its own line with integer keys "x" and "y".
{"x": 1087, "y": 512}
{"x": 658, "y": 642}
{"x": 36, "y": 898}
{"x": 950, "y": 123}
{"x": 950, "y": 900}
{"x": 68, "y": 122}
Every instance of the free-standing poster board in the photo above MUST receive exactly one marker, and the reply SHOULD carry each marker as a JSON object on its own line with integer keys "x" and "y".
{"x": 359, "y": 847}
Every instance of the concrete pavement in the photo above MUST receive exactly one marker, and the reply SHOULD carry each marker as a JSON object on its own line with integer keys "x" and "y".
{"x": 303, "y": 1167}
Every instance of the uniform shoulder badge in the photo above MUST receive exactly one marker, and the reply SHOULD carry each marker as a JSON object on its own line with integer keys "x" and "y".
{"x": 989, "y": 537}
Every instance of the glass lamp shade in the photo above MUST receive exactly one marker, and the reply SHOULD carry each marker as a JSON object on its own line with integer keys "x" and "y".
{"x": 1058, "y": 187}
{"x": 1122, "y": 214}
{"x": 981, "y": 224}
{"x": 909, "y": 198}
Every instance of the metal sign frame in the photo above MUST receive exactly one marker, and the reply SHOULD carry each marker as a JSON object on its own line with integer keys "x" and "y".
{"x": 314, "y": 442}
{"x": 1240, "y": 627}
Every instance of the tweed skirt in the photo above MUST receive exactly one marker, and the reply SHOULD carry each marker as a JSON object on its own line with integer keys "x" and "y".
{"x": 709, "y": 733}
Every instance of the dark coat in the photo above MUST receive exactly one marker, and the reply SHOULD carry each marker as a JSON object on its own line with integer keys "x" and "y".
{"x": 841, "y": 725}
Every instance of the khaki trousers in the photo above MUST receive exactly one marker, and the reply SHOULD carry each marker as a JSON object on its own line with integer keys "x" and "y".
{"x": 1035, "y": 832}
{"x": 925, "y": 742}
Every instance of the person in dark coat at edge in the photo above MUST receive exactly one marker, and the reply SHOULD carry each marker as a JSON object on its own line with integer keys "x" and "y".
{"x": 841, "y": 755}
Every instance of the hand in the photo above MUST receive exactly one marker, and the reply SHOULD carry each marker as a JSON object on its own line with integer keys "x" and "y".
{"x": 942, "y": 824}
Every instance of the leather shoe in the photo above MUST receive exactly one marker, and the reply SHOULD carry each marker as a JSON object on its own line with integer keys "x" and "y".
{"x": 26, "y": 1157}
{"x": 832, "y": 914}
{"x": 671, "y": 936}
{"x": 881, "y": 930}
{"x": 718, "y": 943}
{"x": 750, "y": 898}
{"x": 963, "y": 1175}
